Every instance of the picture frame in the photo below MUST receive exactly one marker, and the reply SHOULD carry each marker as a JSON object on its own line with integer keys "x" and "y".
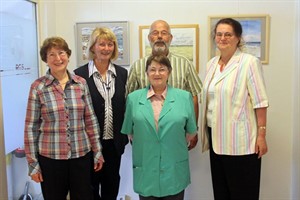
{"x": 256, "y": 30}
{"x": 85, "y": 29}
{"x": 185, "y": 41}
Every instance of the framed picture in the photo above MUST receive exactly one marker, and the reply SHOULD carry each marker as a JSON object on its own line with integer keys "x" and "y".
{"x": 85, "y": 29}
{"x": 255, "y": 35}
{"x": 185, "y": 42}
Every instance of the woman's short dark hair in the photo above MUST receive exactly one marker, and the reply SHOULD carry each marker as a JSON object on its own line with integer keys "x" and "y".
{"x": 161, "y": 59}
{"x": 53, "y": 42}
{"x": 236, "y": 26}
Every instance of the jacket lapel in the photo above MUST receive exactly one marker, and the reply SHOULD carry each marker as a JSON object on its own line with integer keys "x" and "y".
{"x": 231, "y": 65}
{"x": 167, "y": 107}
{"x": 146, "y": 109}
{"x": 168, "y": 104}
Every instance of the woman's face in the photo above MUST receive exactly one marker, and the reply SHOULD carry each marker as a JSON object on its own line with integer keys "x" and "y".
{"x": 57, "y": 60}
{"x": 158, "y": 75}
{"x": 225, "y": 38}
{"x": 103, "y": 49}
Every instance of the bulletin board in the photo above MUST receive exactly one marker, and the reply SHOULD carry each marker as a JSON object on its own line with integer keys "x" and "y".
{"x": 18, "y": 69}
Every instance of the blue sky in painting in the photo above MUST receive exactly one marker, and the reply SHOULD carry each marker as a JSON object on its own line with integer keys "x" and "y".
{"x": 251, "y": 30}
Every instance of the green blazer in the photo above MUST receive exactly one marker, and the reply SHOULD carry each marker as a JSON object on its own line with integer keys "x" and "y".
{"x": 160, "y": 158}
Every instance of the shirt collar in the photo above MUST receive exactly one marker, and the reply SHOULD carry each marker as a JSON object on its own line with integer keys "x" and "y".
{"x": 151, "y": 92}
{"x": 50, "y": 79}
{"x": 92, "y": 68}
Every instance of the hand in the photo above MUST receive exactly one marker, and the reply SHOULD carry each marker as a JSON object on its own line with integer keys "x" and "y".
{"x": 261, "y": 147}
{"x": 193, "y": 142}
{"x": 37, "y": 177}
{"x": 98, "y": 166}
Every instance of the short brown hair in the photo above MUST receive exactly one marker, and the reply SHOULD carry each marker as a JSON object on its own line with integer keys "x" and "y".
{"x": 161, "y": 59}
{"x": 56, "y": 42}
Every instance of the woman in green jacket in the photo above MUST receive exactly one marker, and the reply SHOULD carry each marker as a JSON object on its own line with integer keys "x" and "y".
{"x": 160, "y": 121}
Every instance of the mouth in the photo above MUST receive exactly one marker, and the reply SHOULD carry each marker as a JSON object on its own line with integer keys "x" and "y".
{"x": 106, "y": 53}
{"x": 159, "y": 47}
{"x": 160, "y": 43}
{"x": 59, "y": 63}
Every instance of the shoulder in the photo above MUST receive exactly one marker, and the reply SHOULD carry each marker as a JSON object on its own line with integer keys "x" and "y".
{"x": 140, "y": 63}
{"x": 250, "y": 59}
{"x": 137, "y": 93}
{"x": 213, "y": 60}
{"x": 172, "y": 55}
{"x": 120, "y": 69}
{"x": 175, "y": 58}
{"x": 179, "y": 92}
{"x": 39, "y": 82}
{"x": 78, "y": 79}
{"x": 81, "y": 69}
{"x": 181, "y": 62}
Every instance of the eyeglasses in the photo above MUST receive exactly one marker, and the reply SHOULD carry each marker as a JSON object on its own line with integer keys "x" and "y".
{"x": 161, "y": 70}
{"x": 227, "y": 35}
{"x": 53, "y": 55}
{"x": 162, "y": 33}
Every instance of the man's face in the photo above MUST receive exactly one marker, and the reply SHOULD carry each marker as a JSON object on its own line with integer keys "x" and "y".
{"x": 160, "y": 38}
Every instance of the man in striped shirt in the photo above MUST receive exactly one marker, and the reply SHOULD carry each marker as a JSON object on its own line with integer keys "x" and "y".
{"x": 183, "y": 75}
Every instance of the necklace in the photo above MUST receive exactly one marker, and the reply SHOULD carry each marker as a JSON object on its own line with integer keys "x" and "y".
{"x": 63, "y": 83}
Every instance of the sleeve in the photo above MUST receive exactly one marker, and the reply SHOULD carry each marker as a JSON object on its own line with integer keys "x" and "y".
{"x": 256, "y": 84}
{"x": 92, "y": 125}
{"x": 132, "y": 82}
{"x": 127, "y": 127}
{"x": 193, "y": 80}
{"x": 191, "y": 125}
{"x": 31, "y": 131}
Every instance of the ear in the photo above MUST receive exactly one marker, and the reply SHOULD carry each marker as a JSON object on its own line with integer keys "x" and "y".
{"x": 171, "y": 36}
{"x": 149, "y": 37}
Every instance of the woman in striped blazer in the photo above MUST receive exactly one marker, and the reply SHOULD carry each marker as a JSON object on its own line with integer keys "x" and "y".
{"x": 234, "y": 112}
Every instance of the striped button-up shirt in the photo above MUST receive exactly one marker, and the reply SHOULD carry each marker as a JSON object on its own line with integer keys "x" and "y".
{"x": 60, "y": 124}
{"x": 183, "y": 75}
{"x": 238, "y": 91}
{"x": 107, "y": 90}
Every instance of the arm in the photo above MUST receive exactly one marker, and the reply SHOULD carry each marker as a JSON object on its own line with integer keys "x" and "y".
{"x": 131, "y": 81}
{"x": 259, "y": 99}
{"x": 195, "y": 86}
{"x": 194, "y": 140}
{"x": 261, "y": 147}
{"x": 92, "y": 129}
{"x": 192, "y": 125}
{"x": 31, "y": 135}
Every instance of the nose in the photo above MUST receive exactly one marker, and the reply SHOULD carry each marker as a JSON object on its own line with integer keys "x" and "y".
{"x": 157, "y": 72}
{"x": 106, "y": 47}
{"x": 57, "y": 57}
{"x": 223, "y": 37}
{"x": 159, "y": 36}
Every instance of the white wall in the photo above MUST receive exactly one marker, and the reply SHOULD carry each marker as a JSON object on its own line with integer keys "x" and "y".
{"x": 296, "y": 116}
{"x": 280, "y": 167}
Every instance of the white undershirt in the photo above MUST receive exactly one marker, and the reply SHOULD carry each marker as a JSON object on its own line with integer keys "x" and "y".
{"x": 211, "y": 96}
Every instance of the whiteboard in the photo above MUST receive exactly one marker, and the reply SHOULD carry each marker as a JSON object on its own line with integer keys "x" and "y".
{"x": 18, "y": 66}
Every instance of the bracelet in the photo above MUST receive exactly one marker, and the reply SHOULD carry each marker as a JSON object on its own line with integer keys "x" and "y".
{"x": 262, "y": 127}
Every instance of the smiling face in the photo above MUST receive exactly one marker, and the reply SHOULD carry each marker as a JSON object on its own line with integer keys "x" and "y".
{"x": 103, "y": 49}
{"x": 57, "y": 60}
{"x": 158, "y": 75}
{"x": 225, "y": 38}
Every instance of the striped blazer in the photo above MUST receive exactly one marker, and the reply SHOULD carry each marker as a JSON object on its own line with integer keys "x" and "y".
{"x": 239, "y": 90}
